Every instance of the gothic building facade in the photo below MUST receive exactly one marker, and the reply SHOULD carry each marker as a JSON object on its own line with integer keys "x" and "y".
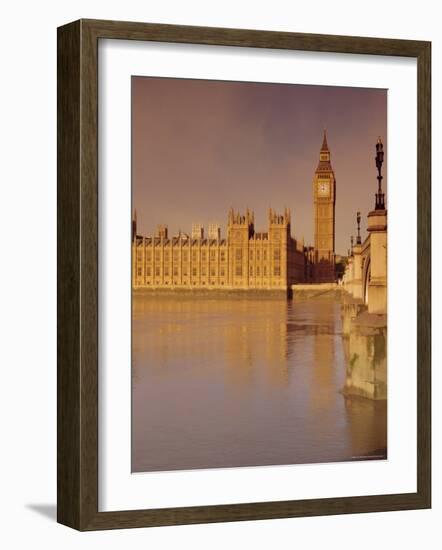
{"x": 244, "y": 259}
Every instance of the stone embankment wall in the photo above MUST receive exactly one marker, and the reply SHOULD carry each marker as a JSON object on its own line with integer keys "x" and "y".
{"x": 365, "y": 344}
{"x": 307, "y": 291}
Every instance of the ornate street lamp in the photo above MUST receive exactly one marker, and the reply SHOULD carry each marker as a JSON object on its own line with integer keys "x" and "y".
{"x": 380, "y": 197}
{"x": 358, "y": 221}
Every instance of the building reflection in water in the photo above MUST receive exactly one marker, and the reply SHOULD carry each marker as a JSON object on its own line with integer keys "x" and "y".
{"x": 227, "y": 382}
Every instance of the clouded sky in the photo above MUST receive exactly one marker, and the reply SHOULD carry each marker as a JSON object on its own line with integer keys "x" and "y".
{"x": 200, "y": 147}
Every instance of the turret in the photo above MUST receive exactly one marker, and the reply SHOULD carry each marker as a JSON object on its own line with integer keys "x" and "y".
{"x": 244, "y": 222}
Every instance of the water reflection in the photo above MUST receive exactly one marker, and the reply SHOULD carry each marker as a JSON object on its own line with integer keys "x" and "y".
{"x": 229, "y": 382}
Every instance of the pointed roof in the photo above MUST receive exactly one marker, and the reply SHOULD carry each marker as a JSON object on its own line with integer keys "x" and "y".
{"x": 324, "y": 165}
{"x": 324, "y": 142}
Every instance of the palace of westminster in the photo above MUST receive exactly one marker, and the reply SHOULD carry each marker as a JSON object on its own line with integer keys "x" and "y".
{"x": 245, "y": 259}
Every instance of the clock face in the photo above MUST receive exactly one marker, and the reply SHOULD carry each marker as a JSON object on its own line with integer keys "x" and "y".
{"x": 323, "y": 188}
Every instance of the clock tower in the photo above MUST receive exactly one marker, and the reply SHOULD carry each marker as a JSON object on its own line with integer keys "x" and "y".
{"x": 324, "y": 193}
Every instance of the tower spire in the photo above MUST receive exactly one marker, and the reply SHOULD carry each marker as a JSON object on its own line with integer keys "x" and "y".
{"x": 324, "y": 155}
{"x": 324, "y": 142}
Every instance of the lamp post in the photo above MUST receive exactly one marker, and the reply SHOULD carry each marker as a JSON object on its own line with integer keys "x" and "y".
{"x": 351, "y": 243}
{"x": 380, "y": 197}
{"x": 358, "y": 221}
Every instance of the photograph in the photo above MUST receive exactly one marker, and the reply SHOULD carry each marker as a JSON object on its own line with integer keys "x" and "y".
{"x": 259, "y": 274}
{"x": 219, "y": 334}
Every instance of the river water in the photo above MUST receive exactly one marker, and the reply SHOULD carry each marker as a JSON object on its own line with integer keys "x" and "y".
{"x": 229, "y": 382}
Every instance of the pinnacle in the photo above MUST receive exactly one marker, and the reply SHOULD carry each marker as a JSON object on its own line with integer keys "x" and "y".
{"x": 324, "y": 142}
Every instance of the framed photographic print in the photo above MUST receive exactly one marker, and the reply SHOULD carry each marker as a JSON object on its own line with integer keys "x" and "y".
{"x": 243, "y": 275}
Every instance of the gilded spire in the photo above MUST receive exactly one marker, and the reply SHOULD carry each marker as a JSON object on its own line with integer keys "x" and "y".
{"x": 324, "y": 142}
{"x": 324, "y": 156}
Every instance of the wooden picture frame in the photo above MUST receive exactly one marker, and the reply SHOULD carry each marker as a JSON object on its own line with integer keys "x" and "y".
{"x": 77, "y": 459}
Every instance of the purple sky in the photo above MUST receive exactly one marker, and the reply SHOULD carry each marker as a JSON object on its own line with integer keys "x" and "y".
{"x": 200, "y": 147}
